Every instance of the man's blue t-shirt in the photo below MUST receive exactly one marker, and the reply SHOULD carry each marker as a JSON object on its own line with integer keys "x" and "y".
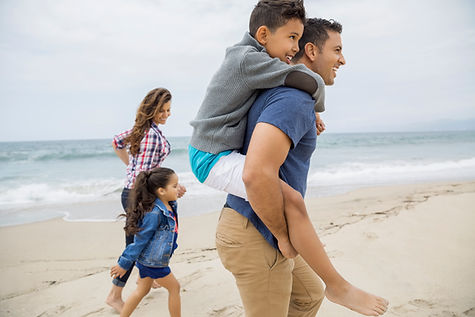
{"x": 291, "y": 111}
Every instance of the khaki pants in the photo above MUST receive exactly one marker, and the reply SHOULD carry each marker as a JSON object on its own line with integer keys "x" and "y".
{"x": 269, "y": 284}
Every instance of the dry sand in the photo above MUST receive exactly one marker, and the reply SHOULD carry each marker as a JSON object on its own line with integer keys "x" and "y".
{"x": 412, "y": 244}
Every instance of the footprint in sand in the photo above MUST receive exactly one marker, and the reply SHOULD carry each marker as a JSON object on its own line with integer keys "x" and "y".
{"x": 444, "y": 314}
{"x": 98, "y": 312}
{"x": 228, "y": 311}
{"x": 470, "y": 312}
{"x": 448, "y": 314}
{"x": 412, "y": 306}
{"x": 57, "y": 311}
{"x": 334, "y": 254}
{"x": 421, "y": 303}
{"x": 371, "y": 235}
{"x": 184, "y": 281}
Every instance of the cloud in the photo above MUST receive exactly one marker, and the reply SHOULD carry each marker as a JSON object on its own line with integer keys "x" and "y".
{"x": 65, "y": 44}
{"x": 406, "y": 59}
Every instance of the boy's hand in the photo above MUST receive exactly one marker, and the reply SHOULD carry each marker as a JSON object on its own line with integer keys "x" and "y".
{"x": 181, "y": 190}
{"x": 287, "y": 249}
{"x": 319, "y": 123}
{"x": 117, "y": 271}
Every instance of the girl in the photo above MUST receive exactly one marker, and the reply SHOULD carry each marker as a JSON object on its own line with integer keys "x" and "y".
{"x": 141, "y": 148}
{"x": 152, "y": 217}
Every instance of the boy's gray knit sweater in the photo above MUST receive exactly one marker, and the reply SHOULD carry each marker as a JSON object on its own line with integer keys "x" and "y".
{"x": 221, "y": 121}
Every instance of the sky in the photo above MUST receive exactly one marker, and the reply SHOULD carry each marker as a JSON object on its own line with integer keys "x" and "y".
{"x": 79, "y": 69}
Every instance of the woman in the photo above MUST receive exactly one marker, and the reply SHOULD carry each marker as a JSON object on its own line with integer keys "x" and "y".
{"x": 141, "y": 148}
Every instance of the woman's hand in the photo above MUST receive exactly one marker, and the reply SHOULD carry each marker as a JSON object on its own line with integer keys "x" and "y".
{"x": 181, "y": 190}
{"x": 121, "y": 153}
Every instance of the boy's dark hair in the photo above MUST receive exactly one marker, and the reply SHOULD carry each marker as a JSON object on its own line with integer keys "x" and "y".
{"x": 143, "y": 196}
{"x": 316, "y": 32}
{"x": 275, "y": 13}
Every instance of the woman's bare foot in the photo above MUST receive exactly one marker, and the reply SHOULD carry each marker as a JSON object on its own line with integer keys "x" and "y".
{"x": 114, "y": 299}
{"x": 357, "y": 300}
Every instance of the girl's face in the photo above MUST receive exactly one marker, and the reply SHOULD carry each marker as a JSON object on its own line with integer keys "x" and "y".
{"x": 170, "y": 192}
{"x": 162, "y": 116}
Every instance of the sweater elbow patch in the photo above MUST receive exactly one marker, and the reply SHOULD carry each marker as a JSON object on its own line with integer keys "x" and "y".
{"x": 302, "y": 81}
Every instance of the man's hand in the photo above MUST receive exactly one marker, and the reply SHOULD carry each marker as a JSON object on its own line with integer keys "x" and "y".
{"x": 181, "y": 190}
{"x": 319, "y": 123}
{"x": 117, "y": 271}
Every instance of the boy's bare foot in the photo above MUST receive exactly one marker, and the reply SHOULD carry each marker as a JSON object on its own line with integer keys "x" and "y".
{"x": 357, "y": 300}
{"x": 287, "y": 249}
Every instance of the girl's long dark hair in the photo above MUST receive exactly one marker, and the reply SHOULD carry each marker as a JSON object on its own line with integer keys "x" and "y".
{"x": 143, "y": 195}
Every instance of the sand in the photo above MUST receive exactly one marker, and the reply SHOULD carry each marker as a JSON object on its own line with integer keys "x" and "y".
{"x": 412, "y": 244}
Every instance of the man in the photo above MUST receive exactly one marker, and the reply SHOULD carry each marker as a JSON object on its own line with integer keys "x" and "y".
{"x": 282, "y": 125}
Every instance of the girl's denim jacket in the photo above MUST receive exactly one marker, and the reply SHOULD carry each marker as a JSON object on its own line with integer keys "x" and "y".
{"x": 154, "y": 244}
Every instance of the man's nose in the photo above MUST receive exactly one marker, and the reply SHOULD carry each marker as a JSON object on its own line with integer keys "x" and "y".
{"x": 342, "y": 60}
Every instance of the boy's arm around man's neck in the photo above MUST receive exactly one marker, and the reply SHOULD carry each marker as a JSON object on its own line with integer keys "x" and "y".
{"x": 260, "y": 71}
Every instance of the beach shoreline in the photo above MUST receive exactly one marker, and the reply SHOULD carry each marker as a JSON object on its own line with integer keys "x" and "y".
{"x": 83, "y": 179}
{"x": 403, "y": 242}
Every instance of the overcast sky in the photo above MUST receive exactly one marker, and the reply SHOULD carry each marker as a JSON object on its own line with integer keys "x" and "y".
{"x": 78, "y": 69}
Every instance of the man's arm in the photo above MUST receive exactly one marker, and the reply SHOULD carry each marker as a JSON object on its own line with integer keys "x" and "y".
{"x": 267, "y": 151}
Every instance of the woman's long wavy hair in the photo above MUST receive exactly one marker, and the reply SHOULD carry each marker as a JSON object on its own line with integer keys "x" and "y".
{"x": 147, "y": 111}
{"x": 143, "y": 195}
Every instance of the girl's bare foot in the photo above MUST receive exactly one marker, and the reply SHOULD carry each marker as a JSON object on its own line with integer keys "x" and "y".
{"x": 357, "y": 300}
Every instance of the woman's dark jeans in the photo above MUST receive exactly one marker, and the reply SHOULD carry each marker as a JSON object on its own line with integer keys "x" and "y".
{"x": 120, "y": 281}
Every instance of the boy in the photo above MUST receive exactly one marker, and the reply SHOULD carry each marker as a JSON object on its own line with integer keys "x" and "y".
{"x": 261, "y": 60}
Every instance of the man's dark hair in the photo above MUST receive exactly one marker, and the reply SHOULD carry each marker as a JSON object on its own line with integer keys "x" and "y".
{"x": 316, "y": 32}
{"x": 275, "y": 13}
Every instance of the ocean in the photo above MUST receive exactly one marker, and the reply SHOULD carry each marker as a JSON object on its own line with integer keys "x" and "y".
{"x": 41, "y": 180}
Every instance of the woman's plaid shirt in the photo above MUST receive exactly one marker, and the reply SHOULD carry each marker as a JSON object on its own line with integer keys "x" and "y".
{"x": 154, "y": 148}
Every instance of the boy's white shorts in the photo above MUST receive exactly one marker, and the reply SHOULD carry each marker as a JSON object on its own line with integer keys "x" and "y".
{"x": 226, "y": 174}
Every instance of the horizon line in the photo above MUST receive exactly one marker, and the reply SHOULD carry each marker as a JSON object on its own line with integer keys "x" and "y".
{"x": 187, "y": 136}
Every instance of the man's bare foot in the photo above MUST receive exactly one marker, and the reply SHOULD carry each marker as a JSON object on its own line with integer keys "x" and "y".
{"x": 287, "y": 249}
{"x": 155, "y": 284}
{"x": 357, "y": 300}
{"x": 114, "y": 299}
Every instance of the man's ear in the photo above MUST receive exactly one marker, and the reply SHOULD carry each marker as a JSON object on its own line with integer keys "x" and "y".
{"x": 312, "y": 51}
{"x": 262, "y": 34}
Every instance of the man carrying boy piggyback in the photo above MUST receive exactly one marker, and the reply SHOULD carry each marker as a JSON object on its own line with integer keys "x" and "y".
{"x": 249, "y": 239}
